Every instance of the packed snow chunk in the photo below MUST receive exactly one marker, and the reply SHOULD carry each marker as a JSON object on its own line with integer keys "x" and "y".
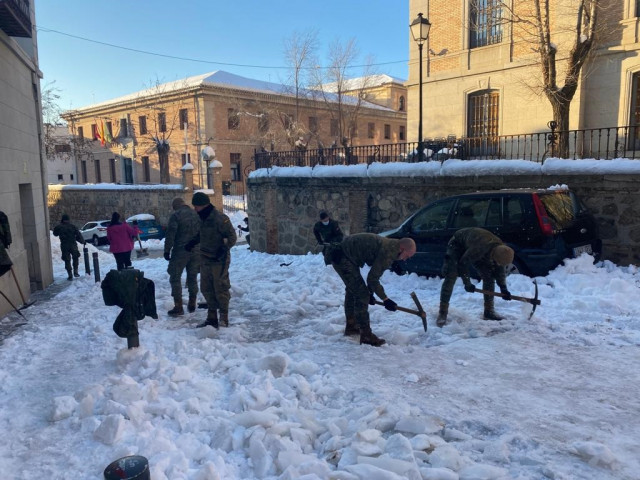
{"x": 305, "y": 464}
{"x": 596, "y": 454}
{"x": 277, "y": 363}
{"x": 412, "y": 378}
{"x": 418, "y": 425}
{"x": 181, "y": 374}
{"x": 63, "y": 407}
{"x": 365, "y": 471}
{"x": 438, "y": 474}
{"x": 110, "y": 430}
{"x": 254, "y": 417}
{"x": 305, "y": 367}
{"x": 207, "y": 472}
{"x": 368, "y": 442}
{"x": 426, "y": 443}
{"x": 407, "y": 470}
{"x": 483, "y": 472}
{"x": 260, "y": 458}
{"x": 398, "y": 446}
{"x": 446, "y": 456}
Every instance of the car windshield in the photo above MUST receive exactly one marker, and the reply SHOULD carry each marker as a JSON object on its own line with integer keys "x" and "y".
{"x": 560, "y": 207}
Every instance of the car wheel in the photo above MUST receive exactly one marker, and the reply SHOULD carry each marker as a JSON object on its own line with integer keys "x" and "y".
{"x": 516, "y": 268}
{"x": 96, "y": 240}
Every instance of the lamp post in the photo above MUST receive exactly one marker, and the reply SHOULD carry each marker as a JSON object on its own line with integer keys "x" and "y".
{"x": 420, "y": 30}
{"x": 208, "y": 155}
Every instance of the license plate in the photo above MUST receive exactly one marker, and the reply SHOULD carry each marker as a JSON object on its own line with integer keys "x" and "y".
{"x": 583, "y": 249}
{"x": 155, "y": 230}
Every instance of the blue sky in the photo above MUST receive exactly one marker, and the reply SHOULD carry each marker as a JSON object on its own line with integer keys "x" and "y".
{"x": 247, "y": 33}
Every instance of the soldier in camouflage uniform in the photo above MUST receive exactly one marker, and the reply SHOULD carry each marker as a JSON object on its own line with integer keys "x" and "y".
{"x": 184, "y": 224}
{"x": 488, "y": 255}
{"x": 347, "y": 258}
{"x": 69, "y": 234}
{"x": 216, "y": 238}
{"x": 5, "y": 241}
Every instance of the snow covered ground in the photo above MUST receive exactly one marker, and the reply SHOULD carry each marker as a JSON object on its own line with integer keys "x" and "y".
{"x": 283, "y": 394}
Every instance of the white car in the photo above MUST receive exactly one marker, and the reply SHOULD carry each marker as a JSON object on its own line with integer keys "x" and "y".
{"x": 95, "y": 231}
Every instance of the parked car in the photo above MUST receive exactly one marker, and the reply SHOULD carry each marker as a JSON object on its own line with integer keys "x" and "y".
{"x": 542, "y": 226}
{"x": 148, "y": 226}
{"x": 95, "y": 232}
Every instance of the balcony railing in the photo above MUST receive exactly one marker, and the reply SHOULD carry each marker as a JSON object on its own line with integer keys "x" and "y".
{"x": 15, "y": 18}
{"x": 598, "y": 143}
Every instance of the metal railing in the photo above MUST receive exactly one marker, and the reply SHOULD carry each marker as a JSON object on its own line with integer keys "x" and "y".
{"x": 597, "y": 143}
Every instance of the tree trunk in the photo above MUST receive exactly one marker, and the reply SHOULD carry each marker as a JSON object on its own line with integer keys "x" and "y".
{"x": 163, "y": 160}
{"x": 560, "y": 146}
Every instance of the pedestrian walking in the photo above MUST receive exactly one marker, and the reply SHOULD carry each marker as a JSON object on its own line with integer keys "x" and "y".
{"x": 5, "y": 241}
{"x": 120, "y": 236}
{"x": 246, "y": 229}
{"x": 484, "y": 251}
{"x": 327, "y": 230}
{"x": 347, "y": 258}
{"x": 184, "y": 224}
{"x": 216, "y": 237}
{"x": 69, "y": 236}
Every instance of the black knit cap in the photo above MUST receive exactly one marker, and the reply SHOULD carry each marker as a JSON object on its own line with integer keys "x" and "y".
{"x": 200, "y": 199}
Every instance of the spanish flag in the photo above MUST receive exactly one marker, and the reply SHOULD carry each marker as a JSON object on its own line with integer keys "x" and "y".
{"x": 107, "y": 134}
{"x": 100, "y": 131}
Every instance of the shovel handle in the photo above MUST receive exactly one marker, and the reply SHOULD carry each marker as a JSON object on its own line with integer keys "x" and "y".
{"x": 532, "y": 301}
{"x": 402, "y": 309}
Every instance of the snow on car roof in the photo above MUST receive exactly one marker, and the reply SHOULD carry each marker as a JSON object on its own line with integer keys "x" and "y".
{"x": 141, "y": 216}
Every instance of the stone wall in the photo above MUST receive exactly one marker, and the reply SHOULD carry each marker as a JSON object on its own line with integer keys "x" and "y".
{"x": 283, "y": 210}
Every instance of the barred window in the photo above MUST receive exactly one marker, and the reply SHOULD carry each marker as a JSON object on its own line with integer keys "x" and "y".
{"x": 162, "y": 122}
{"x": 142, "y": 124}
{"x": 184, "y": 118}
{"x": 483, "y": 122}
{"x": 233, "y": 119}
{"x": 485, "y": 23}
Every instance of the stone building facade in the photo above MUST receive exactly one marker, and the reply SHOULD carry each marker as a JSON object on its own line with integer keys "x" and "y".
{"x": 114, "y": 140}
{"x": 23, "y": 182}
{"x": 485, "y": 75}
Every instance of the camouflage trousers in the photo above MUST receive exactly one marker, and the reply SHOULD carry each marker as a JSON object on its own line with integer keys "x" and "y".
{"x": 69, "y": 255}
{"x": 450, "y": 274}
{"x": 356, "y": 297}
{"x": 177, "y": 264}
{"x": 215, "y": 284}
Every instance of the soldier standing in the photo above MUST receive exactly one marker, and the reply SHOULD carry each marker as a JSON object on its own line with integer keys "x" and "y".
{"x": 184, "y": 224}
{"x": 486, "y": 252}
{"x": 216, "y": 238}
{"x": 347, "y": 258}
{"x": 69, "y": 234}
{"x": 327, "y": 230}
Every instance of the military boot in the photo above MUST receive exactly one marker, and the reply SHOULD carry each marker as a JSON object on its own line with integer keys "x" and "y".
{"x": 75, "y": 272}
{"x": 489, "y": 312}
{"x": 177, "y": 310}
{"x": 70, "y": 277}
{"x": 191, "y": 306}
{"x": 212, "y": 319}
{"x": 367, "y": 337}
{"x": 224, "y": 319}
{"x": 441, "y": 321}
{"x": 351, "y": 328}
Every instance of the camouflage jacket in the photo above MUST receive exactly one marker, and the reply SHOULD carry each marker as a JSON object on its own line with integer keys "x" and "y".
{"x": 217, "y": 235}
{"x": 68, "y": 234}
{"x": 373, "y": 250}
{"x": 184, "y": 224}
{"x": 473, "y": 246}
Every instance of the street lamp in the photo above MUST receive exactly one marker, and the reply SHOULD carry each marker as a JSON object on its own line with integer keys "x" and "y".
{"x": 420, "y": 30}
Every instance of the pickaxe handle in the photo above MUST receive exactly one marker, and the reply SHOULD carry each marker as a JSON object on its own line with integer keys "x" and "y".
{"x": 532, "y": 301}
{"x": 420, "y": 312}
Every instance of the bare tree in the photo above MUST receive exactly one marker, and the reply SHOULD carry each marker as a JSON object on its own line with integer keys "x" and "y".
{"x": 563, "y": 35}
{"x": 50, "y": 114}
{"x": 300, "y": 54}
{"x": 343, "y": 96}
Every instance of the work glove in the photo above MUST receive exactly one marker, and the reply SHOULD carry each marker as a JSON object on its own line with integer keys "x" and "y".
{"x": 167, "y": 256}
{"x": 468, "y": 286}
{"x": 506, "y": 294}
{"x": 372, "y": 299}
{"x": 390, "y": 305}
{"x": 189, "y": 245}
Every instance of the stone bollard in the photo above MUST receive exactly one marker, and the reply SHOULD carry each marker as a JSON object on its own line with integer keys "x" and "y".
{"x": 135, "y": 467}
{"x": 96, "y": 267}
{"x": 87, "y": 266}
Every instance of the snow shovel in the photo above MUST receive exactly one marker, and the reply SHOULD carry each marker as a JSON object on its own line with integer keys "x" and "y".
{"x": 420, "y": 312}
{"x": 143, "y": 251}
{"x": 25, "y": 303}
{"x": 533, "y": 301}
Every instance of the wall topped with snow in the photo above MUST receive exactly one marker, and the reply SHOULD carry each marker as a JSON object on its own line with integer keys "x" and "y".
{"x": 284, "y": 202}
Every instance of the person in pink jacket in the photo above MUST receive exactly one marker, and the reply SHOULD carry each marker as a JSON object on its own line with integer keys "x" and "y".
{"x": 120, "y": 236}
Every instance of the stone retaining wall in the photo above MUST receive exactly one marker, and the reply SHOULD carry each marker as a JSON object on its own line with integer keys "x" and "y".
{"x": 283, "y": 210}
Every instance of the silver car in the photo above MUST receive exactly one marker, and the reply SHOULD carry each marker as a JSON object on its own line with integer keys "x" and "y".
{"x": 95, "y": 231}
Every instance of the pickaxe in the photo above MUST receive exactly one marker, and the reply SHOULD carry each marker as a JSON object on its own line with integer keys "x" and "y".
{"x": 533, "y": 301}
{"x": 420, "y": 312}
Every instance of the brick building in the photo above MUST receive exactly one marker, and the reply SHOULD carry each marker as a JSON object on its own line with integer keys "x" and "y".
{"x": 114, "y": 140}
{"x": 481, "y": 70}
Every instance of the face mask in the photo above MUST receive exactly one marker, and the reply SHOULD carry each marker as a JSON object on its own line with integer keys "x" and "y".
{"x": 326, "y": 223}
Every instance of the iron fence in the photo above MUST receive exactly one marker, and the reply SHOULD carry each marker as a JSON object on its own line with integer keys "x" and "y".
{"x": 598, "y": 143}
